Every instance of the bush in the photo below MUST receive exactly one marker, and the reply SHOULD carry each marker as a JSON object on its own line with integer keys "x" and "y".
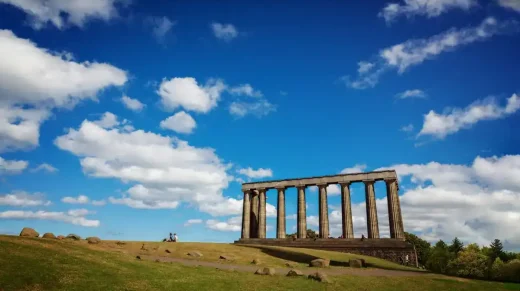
{"x": 469, "y": 263}
{"x": 496, "y": 269}
{"x": 511, "y": 271}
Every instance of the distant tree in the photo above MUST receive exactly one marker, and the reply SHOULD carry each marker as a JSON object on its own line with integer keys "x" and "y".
{"x": 497, "y": 250}
{"x": 421, "y": 246}
{"x": 511, "y": 271}
{"x": 456, "y": 246}
{"x": 310, "y": 234}
{"x": 508, "y": 256}
{"x": 497, "y": 269}
{"x": 470, "y": 262}
{"x": 439, "y": 258}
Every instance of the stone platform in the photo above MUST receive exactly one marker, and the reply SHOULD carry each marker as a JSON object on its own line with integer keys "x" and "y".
{"x": 393, "y": 250}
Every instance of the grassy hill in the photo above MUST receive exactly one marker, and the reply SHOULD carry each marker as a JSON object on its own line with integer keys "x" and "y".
{"x": 41, "y": 264}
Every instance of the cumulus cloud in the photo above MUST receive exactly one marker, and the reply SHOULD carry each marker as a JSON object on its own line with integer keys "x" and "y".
{"x": 413, "y": 52}
{"x": 224, "y": 32}
{"x": 415, "y": 93}
{"x": 192, "y": 221}
{"x": 261, "y": 108}
{"x": 357, "y": 168}
{"x": 259, "y": 173}
{"x": 45, "y": 168}
{"x": 455, "y": 119}
{"x": 99, "y": 202}
{"x": 22, "y": 198}
{"x": 27, "y": 96}
{"x": 81, "y": 199}
{"x": 245, "y": 89}
{"x": 132, "y": 104}
{"x": 428, "y": 8}
{"x": 75, "y": 217}
{"x": 510, "y": 4}
{"x": 62, "y": 14}
{"x": 12, "y": 166}
{"x": 180, "y": 122}
{"x": 232, "y": 224}
{"x": 186, "y": 93}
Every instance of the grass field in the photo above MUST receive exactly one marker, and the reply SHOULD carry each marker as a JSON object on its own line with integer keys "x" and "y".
{"x": 40, "y": 264}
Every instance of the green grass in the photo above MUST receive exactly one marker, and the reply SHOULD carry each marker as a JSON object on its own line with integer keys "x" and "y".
{"x": 39, "y": 264}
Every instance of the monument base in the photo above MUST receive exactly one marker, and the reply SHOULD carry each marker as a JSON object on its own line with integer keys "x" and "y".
{"x": 394, "y": 250}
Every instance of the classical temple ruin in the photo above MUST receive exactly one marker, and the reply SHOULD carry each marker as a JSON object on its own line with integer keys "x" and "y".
{"x": 394, "y": 248}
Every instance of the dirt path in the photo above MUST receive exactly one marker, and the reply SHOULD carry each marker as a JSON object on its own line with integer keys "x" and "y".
{"x": 283, "y": 271}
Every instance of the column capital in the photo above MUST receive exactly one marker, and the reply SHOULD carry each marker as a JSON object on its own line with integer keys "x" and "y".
{"x": 322, "y": 185}
{"x": 280, "y": 188}
{"x": 342, "y": 184}
{"x": 369, "y": 181}
{"x": 389, "y": 180}
{"x": 261, "y": 189}
{"x": 302, "y": 187}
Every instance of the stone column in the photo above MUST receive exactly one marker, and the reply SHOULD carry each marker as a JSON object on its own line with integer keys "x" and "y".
{"x": 394, "y": 210}
{"x": 253, "y": 232}
{"x": 323, "y": 212}
{"x": 261, "y": 213}
{"x": 302, "y": 214}
{"x": 246, "y": 215}
{"x": 346, "y": 212}
{"x": 370, "y": 197}
{"x": 280, "y": 221}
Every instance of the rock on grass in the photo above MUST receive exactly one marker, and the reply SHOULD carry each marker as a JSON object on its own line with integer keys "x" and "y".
{"x": 49, "y": 235}
{"x": 320, "y": 263}
{"x": 29, "y": 232}
{"x": 93, "y": 240}
{"x": 194, "y": 254}
{"x": 74, "y": 236}
{"x": 294, "y": 273}
{"x": 265, "y": 271}
{"x": 320, "y": 277}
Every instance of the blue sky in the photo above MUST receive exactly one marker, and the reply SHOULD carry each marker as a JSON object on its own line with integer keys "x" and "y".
{"x": 133, "y": 119}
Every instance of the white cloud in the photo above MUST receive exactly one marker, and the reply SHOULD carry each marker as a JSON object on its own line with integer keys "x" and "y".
{"x": 132, "y": 104}
{"x": 45, "y": 167}
{"x": 54, "y": 216}
{"x": 357, "y": 168}
{"x": 510, "y": 4}
{"x": 259, "y": 109}
{"x": 429, "y": 8}
{"x": 108, "y": 120}
{"x": 245, "y": 89}
{"x": 186, "y": 93}
{"x": 66, "y": 13}
{"x": 12, "y": 166}
{"x": 27, "y": 96}
{"x": 292, "y": 217}
{"x": 225, "y": 32}
{"x": 232, "y": 224}
{"x": 364, "y": 67}
{"x": 192, "y": 221}
{"x": 407, "y": 128}
{"x": 99, "y": 202}
{"x": 180, "y": 122}
{"x": 81, "y": 199}
{"x": 79, "y": 212}
{"x": 415, "y": 93}
{"x": 21, "y": 198}
{"x": 161, "y": 26}
{"x": 455, "y": 119}
{"x": 259, "y": 173}
{"x": 143, "y": 204}
{"x": 414, "y": 52}
{"x": 476, "y": 203}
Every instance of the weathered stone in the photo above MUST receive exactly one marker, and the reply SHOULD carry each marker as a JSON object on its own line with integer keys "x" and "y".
{"x": 256, "y": 262}
{"x": 60, "y": 237}
{"x": 29, "y": 232}
{"x": 138, "y": 257}
{"x": 356, "y": 263}
{"x": 320, "y": 277}
{"x": 265, "y": 271}
{"x": 294, "y": 273}
{"x": 93, "y": 240}
{"x": 195, "y": 254}
{"x": 73, "y": 236}
{"x": 226, "y": 257}
{"x": 49, "y": 235}
{"x": 168, "y": 251}
{"x": 120, "y": 243}
{"x": 320, "y": 263}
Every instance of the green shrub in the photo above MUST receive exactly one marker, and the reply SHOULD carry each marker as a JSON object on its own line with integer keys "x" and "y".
{"x": 469, "y": 263}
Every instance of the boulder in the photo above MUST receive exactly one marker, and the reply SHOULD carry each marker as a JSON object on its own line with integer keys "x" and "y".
{"x": 93, "y": 240}
{"x": 73, "y": 236}
{"x": 320, "y": 277}
{"x": 195, "y": 254}
{"x": 168, "y": 251}
{"x": 356, "y": 263}
{"x": 60, "y": 237}
{"x": 120, "y": 243}
{"x": 48, "y": 235}
{"x": 320, "y": 263}
{"x": 226, "y": 257}
{"x": 265, "y": 271}
{"x": 138, "y": 257}
{"x": 294, "y": 273}
{"x": 29, "y": 232}
{"x": 256, "y": 262}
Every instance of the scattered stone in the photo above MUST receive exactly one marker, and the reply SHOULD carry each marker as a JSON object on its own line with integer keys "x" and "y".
{"x": 195, "y": 254}
{"x": 138, "y": 257}
{"x": 265, "y": 271}
{"x": 29, "y": 232}
{"x": 143, "y": 248}
{"x": 120, "y": 243}
{"x": 73, "y": 236}
{"x": 168, "y": 251}
{"x": 294, "y": 273}
{"x": 48, "y": 235}
{"x": 93, "y": 240}
{"x": 320, "y": 263}
{"x": 356, "y": 263}
{"x": 60, "y": 237}
{"x": 226, "y": 257}
{"x": 320, "y": 277}
{"x": 290, "y": 265}
{"x": 256, "y": 262}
